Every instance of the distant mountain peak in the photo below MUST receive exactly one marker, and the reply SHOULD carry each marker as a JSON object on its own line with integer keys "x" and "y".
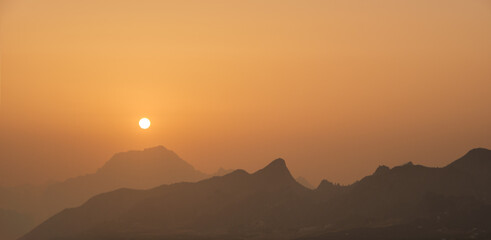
{"x": 475, "y": 158}
{"x": 153, "y": 152}
{"x": 476, "y": 152}
{"x": 325, "y": 183}
{"x": 156, "y": 148}
{"x": 278, "y": 165}
{"x": 277, "y": 169}
{"x": 235, "y": 173}
{"x": 328, "y": 187}
{"x": 279, "y": 162}
{"x": 142, "y": 164}
{"x": 382, "y": 169}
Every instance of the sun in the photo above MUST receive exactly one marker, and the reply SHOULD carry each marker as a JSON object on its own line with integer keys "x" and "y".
{"x": 144, "y": 123}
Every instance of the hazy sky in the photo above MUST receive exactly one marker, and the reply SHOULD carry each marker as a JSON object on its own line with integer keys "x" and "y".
{"x": 336, "y": 88}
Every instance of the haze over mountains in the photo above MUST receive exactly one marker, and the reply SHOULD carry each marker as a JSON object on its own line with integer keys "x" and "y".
{"x": 405, "y": 202}
{"x": 13, "y": 223}
{"x": 134, "y": 169}
{"x": 304, "y": 182}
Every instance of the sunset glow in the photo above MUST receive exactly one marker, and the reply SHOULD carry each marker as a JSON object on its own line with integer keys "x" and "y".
{"x": 292, "y": 120}
{"x": 309, "y": 81}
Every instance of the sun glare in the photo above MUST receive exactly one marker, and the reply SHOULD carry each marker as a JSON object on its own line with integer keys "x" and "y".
{"x": 144, "y": 123}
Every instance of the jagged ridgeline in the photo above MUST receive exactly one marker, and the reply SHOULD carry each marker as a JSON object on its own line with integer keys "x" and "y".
{"x": 405, "y": 202}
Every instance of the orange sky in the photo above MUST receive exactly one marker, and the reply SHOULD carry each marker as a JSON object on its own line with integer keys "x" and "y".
{"x": 334, "y": 87}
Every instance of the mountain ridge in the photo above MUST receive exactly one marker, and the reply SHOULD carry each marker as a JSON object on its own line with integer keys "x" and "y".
{"x": 139, "y": 169}
{"x": 269, "y": 203}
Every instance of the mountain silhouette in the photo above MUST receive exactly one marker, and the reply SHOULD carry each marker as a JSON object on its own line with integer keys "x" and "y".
{"x": 220, "y": 206}
{"x": 404, "y": 202}
{"x": 134, "y": 169}
{"x": 328, "y": 189}
{"x": 405, "y": 199}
